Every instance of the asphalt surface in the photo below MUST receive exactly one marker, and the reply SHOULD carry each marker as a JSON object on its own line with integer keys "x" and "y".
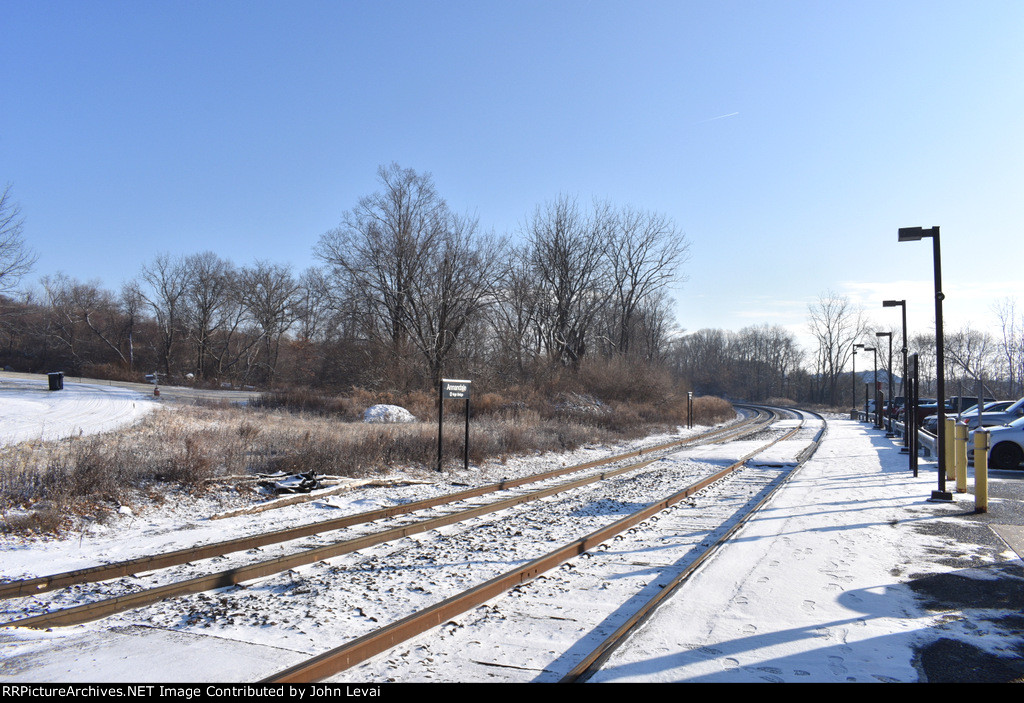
{"x": 986, "y": 601}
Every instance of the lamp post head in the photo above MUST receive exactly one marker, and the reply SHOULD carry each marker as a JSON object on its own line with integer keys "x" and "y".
{"x": 883, "y": 334}
{"x": 893, "y": 303}
{"x": 913, "y": 234}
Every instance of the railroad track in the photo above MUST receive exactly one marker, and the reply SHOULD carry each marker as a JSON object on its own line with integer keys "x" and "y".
{"x": 252, "y": 570}
{"x": 403, "y": 544}
{"x": 611, "y": 620}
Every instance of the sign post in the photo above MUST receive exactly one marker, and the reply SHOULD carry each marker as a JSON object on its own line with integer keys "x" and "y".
{"x": 452, "y": 389}
{"x": 910, "y": 426}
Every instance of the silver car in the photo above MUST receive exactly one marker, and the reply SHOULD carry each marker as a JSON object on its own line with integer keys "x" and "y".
{"x": 1015, "y": 411}
{"x": 992, "y": 414}
{"x": 1000, "y": 412}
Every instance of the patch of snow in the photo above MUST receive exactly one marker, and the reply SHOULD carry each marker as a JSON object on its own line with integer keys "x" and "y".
{"x": 388, "y": 413}
{"x": 30, "y": 411}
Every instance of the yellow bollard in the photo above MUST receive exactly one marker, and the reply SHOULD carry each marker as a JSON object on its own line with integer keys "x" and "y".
{"x": 981, "y": 440}
{"x": 960, "y": 452}
{"x": 947, "y": 442}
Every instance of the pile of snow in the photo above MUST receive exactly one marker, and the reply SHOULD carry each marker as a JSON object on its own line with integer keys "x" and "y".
{"x": 388, "y": 413}
{"x": 30, "y": 411}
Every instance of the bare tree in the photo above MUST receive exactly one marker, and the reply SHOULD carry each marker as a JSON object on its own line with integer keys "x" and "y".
{"x": 645, "y": 253}
{"x": 515, "y": 314}
{"x": 205, "y": 305}
{"x": 131, "y": 302}
{"x": 455, "y": 285}
{"x": 973, "y": 353}
{"x": 923, "y": 344}
{"x": 836, "y": 325}
{"x": 315, "y": 304}
{"x": 168, "y": 280}
{"x": 63, "y": 327}
{"x": 382, "y": 246}
{"x": 16, "y": 259}
{"x": 1011, "y": 345}
{"x": 567, "y": 259}
{"x": 270, "y": 293}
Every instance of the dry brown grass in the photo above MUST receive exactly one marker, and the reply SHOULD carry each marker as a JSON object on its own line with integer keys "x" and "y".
{"x": 44, "y": 485}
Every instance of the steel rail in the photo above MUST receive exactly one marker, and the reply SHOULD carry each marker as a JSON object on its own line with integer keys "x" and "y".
{"x": 591, "y": 663}
{"x": 384, "y": 638}
{"x": 102, "y": 572}
{"x": 93, "y": 611}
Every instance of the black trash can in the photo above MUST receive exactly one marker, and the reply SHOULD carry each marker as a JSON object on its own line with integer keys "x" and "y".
{"x": 56, "y": 380}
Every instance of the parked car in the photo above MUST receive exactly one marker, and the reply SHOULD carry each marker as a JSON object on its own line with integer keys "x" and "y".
{"x": 1001, "y": 412}
{"x": 901, "y": 413}
{"x": 925, "y": 407}
{"x": 953, "y": 406}
{"x": 1003, "y": 417}
{"x": 1006, "y": 445}
{"x": 994, "y": 413}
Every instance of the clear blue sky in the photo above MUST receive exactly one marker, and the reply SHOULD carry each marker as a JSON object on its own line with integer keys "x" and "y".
{"x": 788, "y": 139}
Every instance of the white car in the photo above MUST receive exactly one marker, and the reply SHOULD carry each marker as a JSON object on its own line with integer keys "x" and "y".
{"x": 1005, "y": 447}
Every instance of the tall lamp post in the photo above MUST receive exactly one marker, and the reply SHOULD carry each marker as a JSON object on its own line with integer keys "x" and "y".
{"x": 853, "y": 380}
{"x": 889, "y": 374}
{"x": 867, "y": 413}
{"x": 903, "y": 383}
{"x": 914, "y": 234}
{"x": 874, "y": 385}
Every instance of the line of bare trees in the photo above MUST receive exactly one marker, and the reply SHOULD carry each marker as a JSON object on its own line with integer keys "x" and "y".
{"x": 426, "y": 288}
{"x": 197, "y": 316}
{"x": 758, "y": 363}
{"x": 972, "y": 356}
{"x": 407, "y": 291}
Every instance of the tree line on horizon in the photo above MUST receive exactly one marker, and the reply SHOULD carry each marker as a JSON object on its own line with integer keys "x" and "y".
{"x": 408, "y": 291}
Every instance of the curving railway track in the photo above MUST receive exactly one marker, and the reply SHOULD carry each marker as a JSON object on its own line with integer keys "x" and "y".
{"x": 616, "y": 534}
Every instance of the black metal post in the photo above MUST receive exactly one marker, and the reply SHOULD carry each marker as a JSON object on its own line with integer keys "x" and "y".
{"x": 465, "y": 457}
{"x": 886, "y": 420}
{"x": 903, "y": 307}
{"x": 911, "y": 424}
{"x": 906, "y": 234}
{"x": 940, "y": 369}
{"x": 440, "y": 423}
{"x": 853, "y": 381}
{"x": 874, "y": 390}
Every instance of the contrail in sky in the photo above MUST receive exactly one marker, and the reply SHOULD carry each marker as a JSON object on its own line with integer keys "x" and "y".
{"x": 720, "y": 117}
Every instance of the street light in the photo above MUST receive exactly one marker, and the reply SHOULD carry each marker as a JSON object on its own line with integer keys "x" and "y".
{"x": 889, "y": 372}
{"x": 913, "y": 234}
{"x": 853, "y": 380}
{"x": 866, "y": 413}
{"x": 903, "y": 383}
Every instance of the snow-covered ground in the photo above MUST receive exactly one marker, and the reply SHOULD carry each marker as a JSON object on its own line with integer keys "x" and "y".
{"x": 30, "y": 411}
{"x": 814, "y": 588}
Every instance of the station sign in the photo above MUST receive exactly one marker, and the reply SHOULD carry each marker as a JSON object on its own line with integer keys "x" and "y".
{"x": 455, "y": 389}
